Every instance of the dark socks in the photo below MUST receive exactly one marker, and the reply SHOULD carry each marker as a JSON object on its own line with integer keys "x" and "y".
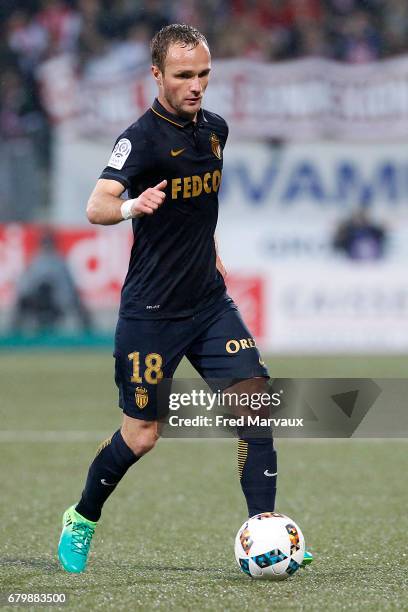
{"x": 111, "y": 463}
{"x": 258, "y": 473}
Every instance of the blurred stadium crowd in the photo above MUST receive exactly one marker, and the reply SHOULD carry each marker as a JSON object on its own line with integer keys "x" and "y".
{"x": 347, "y": 30}
{"x": 104, "y": 35}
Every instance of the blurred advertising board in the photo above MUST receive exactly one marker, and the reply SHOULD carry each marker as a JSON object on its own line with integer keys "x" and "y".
{"x": 98, "y": 259}
{"x": 297, "y": 100}
{"x": 279, "y": 210}
{"x": 290, "y": 306}
{"x": 337, "y": 307}
{"x": 295, "y": 187}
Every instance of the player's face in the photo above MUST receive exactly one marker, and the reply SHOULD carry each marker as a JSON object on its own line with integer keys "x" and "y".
{"x": 185, "y": 79}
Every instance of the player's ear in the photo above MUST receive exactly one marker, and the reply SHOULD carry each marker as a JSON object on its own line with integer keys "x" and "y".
{"x": 157, "y": 74}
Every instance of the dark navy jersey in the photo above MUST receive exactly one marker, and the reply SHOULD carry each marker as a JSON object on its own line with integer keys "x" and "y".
{"x": 172, "y": 271}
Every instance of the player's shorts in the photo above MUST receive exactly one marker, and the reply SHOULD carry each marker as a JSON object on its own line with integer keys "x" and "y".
{"x": 216, "y": 341}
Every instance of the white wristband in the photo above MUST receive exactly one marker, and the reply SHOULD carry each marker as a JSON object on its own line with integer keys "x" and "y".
{"x": 126, "y": 209}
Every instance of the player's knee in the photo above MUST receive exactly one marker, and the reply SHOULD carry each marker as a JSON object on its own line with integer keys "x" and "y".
{"x": 142, "y": 443}
{"x": 257, "y": 384}
{"x": 140, "y": 437}
{"x": 248, "y": 395}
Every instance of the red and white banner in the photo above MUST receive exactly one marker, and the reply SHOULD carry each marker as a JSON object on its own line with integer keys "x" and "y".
{"x": 289, "y": 307}
{"x": 248, "y": 292}
{"x": 307, "y": 99}
{"x": 98, "y": 260}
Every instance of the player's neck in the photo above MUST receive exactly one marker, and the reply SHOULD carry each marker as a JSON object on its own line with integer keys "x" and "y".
{"x": 171, "y": 110}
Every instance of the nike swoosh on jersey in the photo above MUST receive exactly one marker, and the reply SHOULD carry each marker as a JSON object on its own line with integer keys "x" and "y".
{"x": 108, "y": 484}
{"x": 174, "y": 153}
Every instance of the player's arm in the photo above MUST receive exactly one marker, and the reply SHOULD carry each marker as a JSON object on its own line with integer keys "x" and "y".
{"x": 218, "y": 262}
{"x": 106, "y": 207}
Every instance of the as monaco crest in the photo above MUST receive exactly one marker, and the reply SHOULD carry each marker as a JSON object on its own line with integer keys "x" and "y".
{"x": 141, "y": 397}
{"x": 215, "y": 145}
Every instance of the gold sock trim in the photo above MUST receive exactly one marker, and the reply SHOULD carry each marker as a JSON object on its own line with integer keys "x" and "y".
{"x": 242, "y": 456}
{"x": 103, "y": 445}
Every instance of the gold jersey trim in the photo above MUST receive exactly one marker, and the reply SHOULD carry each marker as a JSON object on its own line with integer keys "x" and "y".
{"x": 163, "y": 117}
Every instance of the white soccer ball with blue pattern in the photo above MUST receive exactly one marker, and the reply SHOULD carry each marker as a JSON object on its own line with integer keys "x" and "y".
{"x": 269, "y": 546}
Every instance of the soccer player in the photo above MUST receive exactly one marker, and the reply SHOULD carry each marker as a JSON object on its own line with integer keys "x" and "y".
{"x": 174, "y": 301}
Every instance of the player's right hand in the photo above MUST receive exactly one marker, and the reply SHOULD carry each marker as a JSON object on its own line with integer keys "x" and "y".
{"x": 149, "y": 201}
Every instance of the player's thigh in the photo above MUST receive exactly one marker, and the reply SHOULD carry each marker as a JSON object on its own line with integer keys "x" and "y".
{"x": 227, "y": 350}
{"x": 146, "y": 352}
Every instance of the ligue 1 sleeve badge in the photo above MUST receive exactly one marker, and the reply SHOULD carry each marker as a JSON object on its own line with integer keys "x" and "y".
{"x": 120, "y": 154}
{"x": 215, "y": 145}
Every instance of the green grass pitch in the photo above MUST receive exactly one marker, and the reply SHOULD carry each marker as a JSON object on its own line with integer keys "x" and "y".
{"x": 165, "y": 541}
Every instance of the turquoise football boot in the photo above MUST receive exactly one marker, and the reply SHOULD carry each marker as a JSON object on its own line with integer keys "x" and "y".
{"x": 307, "y": 559}
{"x": 76, "y": 538}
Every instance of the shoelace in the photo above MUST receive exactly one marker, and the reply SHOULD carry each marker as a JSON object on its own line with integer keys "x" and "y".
{"x": 81, "y": 538}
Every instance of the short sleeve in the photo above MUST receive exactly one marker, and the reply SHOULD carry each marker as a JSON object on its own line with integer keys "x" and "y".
{"x": 129, "y": 159}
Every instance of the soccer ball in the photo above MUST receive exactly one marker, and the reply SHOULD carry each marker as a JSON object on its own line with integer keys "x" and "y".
{"x": 269, "y": 546}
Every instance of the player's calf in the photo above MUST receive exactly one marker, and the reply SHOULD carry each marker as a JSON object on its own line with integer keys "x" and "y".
{"x": 114, "y": 457}
{"x": 257, "y": 461}
{"x": 257, "y": 465}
